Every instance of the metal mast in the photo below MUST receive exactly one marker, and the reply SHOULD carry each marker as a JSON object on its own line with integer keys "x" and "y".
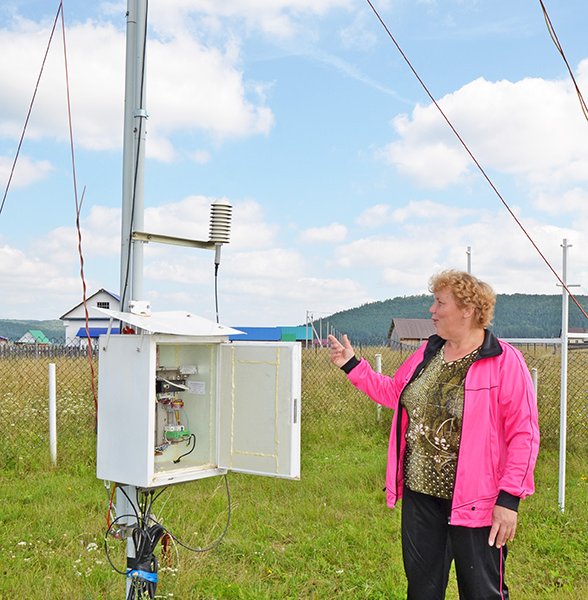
{"x": 131, "y": 256}
{"x": 135, "y": 117}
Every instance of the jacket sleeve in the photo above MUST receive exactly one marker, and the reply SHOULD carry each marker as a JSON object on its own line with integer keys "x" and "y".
{"x": 520, "y": 426}
{"x": 383, "y": 389}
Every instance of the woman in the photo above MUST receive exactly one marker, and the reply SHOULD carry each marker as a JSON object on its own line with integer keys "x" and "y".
{"x": 463, "y": 442}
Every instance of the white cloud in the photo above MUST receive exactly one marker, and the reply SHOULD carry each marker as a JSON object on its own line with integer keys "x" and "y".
{"x": 436, "y": 164}
{"x": 375, "y": 253}
{"x": 574, "y": 200}
{"x": 26, "y": 172}
{"x": 35, "y": 279}
{"x": 426, "y": 210}
{"x": 532, "y": 128}
{"x": 375, "y": 216}
{"x": 333, "y": 233}
{"x": 250, "y": 227}
{"x": 425, "y": 241}
{"x": 382, "y": 215}
{"x": 96, "y": 83}
{"x": 100, "y": 231}
{"x": 264, "y": 267}
{"x": 190, "y": 218}
{"x": 359, "y": 34}
{"x": 191, "y": 87}
{"x": 409, "y": 281}
{"x": 187, "y": 218}
{"x": 201, "y": 157}
{"x": 201, "y": 88}
{"x": 187, "y": 269}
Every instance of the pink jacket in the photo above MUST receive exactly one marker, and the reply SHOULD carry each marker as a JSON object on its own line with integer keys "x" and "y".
{"x": 500, "y": 431}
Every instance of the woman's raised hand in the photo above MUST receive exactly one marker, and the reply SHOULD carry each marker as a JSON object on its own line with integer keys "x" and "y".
{"x": 340, "y": 352}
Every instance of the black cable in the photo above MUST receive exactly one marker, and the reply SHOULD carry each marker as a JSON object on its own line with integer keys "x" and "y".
{"x": 142, "y": 568}
{"x": 146, "y": 537}
{"x": 192, "y": 436}
{"x": 106, "y": 550}
{"x": 163, "y": 489}
{"x": 221, "y": 536}
{"x": 135, "y": 515}
{"x": 216, "y": 265}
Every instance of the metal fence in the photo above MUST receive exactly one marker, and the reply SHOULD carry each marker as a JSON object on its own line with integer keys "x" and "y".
{"x": 24, "y": 405}
{"x": 328, "y": 400}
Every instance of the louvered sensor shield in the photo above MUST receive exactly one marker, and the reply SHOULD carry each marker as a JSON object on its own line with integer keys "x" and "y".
{"x": 220, "y": 225}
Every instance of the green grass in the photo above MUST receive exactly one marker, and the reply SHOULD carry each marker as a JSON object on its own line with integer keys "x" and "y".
{"x": 326, "y": 536}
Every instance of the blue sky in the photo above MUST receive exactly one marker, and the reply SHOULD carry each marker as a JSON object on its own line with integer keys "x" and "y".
{"x": 347, "y": 186}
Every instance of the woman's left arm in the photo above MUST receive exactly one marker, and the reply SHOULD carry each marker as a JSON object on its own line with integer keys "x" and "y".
{"x": 520, "y": 429}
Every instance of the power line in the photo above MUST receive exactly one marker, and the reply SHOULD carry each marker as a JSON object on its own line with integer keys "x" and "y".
{"x": 560, "y": 49}
{"x": 24, "y": 129}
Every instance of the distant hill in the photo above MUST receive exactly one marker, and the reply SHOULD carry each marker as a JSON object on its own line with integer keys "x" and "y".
{"x": 15, "y": 329}
{"x": 516, "y": 315}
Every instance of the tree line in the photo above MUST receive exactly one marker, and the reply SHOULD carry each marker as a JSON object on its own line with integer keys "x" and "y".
{"x": 515, "y": 316}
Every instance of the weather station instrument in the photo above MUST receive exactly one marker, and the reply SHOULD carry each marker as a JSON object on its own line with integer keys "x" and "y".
{"x": 180, "y": 397}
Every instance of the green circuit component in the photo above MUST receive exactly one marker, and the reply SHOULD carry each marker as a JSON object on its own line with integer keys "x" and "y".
{"x": 177, "y": 435}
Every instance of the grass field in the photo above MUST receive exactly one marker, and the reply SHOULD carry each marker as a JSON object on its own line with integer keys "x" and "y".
{"x": 326, "y": 536}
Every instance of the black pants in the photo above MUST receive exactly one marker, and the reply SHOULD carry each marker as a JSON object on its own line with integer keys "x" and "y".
{"x": 430, "y": 544}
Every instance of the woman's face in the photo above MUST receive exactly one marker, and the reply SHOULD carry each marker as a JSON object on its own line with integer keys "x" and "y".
{"x": 448, "y": 317}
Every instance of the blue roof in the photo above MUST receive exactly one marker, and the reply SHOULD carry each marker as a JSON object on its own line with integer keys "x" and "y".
{"x": 95, "y": 331}
{"x": 263, "y": 334}
{"x": 272, "y": 334}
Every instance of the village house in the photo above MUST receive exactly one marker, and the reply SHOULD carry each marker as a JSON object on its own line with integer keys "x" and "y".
{"x": 75, "y": 318}
{"x": 34, "y": 336}
{"x": 409, "y": 333}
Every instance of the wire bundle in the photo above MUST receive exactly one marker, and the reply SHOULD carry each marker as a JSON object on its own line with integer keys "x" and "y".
{"x": 146, "y": 533}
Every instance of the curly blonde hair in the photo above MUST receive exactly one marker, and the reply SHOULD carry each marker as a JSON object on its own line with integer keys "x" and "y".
{"x": 467, "y": 291}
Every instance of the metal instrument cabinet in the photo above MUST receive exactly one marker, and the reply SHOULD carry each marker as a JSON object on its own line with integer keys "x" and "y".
{"x": 174, "y": 408}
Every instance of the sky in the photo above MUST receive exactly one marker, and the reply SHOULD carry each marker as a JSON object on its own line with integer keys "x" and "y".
{"x": 346, "y": 184}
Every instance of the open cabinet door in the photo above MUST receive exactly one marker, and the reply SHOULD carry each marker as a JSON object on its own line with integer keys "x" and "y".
{"x": 259, "y": 424}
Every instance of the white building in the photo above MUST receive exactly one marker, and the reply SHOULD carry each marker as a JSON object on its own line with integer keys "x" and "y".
{"x": 75, "y": 319}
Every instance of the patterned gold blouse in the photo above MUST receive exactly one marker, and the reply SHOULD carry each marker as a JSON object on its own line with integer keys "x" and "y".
{"x": 434, "y": 403}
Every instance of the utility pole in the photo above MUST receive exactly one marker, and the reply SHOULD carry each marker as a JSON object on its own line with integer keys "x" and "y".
{"x": 563, "y": 406}
{"x": 469, "y": 259}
